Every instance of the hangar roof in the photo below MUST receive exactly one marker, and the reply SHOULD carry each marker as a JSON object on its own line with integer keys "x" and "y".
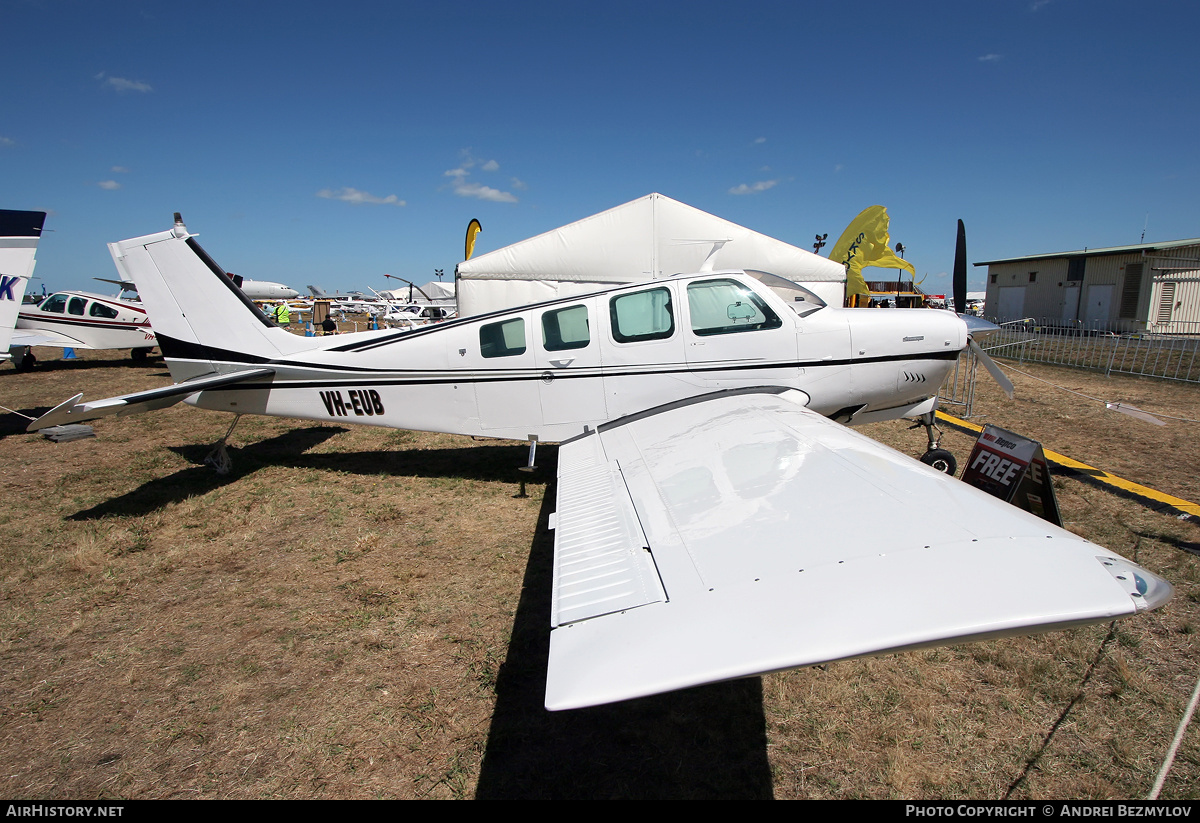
{"x": 1139, "y": 247}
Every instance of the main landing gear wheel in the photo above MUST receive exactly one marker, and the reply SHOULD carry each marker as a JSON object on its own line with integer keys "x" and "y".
{"x": 139, "y": 355}
{"x": 941, "y": 460}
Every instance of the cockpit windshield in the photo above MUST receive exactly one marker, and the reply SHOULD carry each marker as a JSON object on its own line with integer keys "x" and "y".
{"x": 802, "y": 301}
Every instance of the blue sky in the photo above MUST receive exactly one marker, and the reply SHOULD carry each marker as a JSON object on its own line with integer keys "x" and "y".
{"x": 329, "y": 143}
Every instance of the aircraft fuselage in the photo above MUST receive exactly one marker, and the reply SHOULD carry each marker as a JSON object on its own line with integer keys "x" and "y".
{"x": 555, "y": 369}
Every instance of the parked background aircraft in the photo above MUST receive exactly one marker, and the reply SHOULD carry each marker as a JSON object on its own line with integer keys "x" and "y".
{"x": 266, "y": 290}
{"x": 82, "y": 320}
{"x": 19, "y": 235}
{"x": 713, "y": 518}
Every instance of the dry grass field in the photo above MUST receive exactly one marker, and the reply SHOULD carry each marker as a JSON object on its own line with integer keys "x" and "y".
{"x": 360, "y": 613}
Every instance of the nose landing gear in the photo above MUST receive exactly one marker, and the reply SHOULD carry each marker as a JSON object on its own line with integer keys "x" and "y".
{"x": 935, "y": 456}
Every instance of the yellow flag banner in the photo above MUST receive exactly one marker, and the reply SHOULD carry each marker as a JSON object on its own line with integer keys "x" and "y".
{"x": 865, "y": 243}
{"x": 473, "y": 228}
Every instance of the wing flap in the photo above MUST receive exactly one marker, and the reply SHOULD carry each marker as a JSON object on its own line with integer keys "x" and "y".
{"x": 601, "y": 560}
{"x": 783, "y": 539}
{"x": 72, "y": 411}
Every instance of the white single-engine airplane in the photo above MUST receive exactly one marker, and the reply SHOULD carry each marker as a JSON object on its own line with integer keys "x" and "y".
{"x": 83, "y": 320}
{"x": 714, "y": 520}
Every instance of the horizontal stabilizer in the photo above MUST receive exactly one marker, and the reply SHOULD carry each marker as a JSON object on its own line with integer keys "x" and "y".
{"x": 780, "y": 539}
{"x": 72, "y": 411}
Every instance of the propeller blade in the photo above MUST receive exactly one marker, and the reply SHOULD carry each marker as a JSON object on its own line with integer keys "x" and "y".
{"x": 1134, "y": 411}
{"x": 960, "y": 270}
{"x": 988, "y": 363}
{"x": 977, "y": 327}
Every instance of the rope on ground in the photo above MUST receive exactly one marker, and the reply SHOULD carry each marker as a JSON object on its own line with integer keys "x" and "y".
{"x": 1170, "y": 759}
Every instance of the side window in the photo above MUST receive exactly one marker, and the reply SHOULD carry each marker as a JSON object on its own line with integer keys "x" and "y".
{"x": 727, "y": 307}
{"x": 56, "y": 304}
{"x": 101, "y": 310}
{"x": 503, "y": 339}
{"x": 643, "y": 315}
{"x": 76, "y": 306}
{"x": 564, "y": 329}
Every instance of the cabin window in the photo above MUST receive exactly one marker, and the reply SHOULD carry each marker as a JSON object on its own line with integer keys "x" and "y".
{"x": 101, "y": 310}
{"x": 728, "y": 307}
{"x": 564, "y": 329}
{"x": 503, "y": 339}
{"x": 76, "y": 306}
{"x": 643, "y": 315}
{"x": 56, "y": 304}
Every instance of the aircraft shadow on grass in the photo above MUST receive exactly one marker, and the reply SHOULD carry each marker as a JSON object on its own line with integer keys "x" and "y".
{"x": 704, "y": 742}
{"x": 495, "y": 463}
{"x": 708, "y": 741}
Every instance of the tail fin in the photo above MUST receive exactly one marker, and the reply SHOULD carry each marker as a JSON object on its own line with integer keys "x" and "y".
{"x": 203, "y": 321}
{"x": 19, "y": 234}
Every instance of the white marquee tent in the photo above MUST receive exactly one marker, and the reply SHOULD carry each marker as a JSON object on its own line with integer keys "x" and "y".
{"x": 651, "y": 237}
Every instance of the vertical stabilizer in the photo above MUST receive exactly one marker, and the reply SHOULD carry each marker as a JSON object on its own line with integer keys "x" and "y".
{"x": 19, "y": 235}
{"x": 204, "y": 323}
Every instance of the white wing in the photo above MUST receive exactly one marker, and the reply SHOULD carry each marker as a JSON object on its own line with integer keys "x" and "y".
{"x": 44, "y": 337}
{"x": 744, "y": 534}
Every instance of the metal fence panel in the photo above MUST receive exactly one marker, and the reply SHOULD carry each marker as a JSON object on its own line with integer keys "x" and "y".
{"x": 1105, "y": 347}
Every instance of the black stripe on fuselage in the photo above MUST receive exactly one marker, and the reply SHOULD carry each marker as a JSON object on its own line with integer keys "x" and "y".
{"x": 175, "y": 349}
{"x": 227, "y": 281}
{"x": 366, "y": 345}
{"x": 372, "y": 378}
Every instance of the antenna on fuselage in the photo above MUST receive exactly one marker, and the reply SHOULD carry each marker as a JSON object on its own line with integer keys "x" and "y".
{"x": 711, "y": 260}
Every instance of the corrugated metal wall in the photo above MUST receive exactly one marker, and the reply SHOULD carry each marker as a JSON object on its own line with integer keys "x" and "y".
{"x": 1103, "y": 293}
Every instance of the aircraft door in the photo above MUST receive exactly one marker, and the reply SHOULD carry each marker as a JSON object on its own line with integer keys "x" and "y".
{"x": 642, "y": 347}
{"x": 735, "y": 338}
{"x": 506, "y": 391}
{"x": 568, "y": 356}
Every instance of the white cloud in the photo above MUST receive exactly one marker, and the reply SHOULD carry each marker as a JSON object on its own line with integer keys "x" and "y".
{"x": 760, "y": 139}
{"x": 464, "y": 188}
{"x": 990, "y": 58}
{"x": 753, "y": 188}
{"x": 1037, "y": 4}
{"x": 837, "y": 167}
{"x": 109, "y": 185}
{"x": 482, "y": 192}
{"x": 121, "y": 84}
{"x": 7, "y": 141}
{"x": 356, "y": 196}
{"x": 120, "y": 170}
{"x": 520, "y": 185}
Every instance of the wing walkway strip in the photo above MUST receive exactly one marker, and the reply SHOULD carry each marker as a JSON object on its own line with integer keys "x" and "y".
{"x": 1151, "y": 498}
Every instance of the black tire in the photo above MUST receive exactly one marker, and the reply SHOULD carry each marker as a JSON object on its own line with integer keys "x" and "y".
{"x": 27, "y": 362}
{"x": 941, "y": 460}
{"x": 139, "y": 355}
